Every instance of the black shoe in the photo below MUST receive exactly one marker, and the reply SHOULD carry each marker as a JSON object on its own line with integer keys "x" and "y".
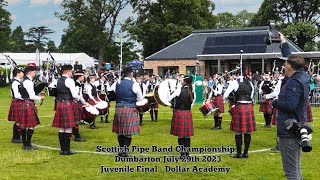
{"x": 124, "y": 154}
{"x": 268, "y": 126}
{"x": 106, "y": 121}
{"x": 67, "y": 153}
{"x": 27, "y": 148}
{"x": 16, "y": 141}
{"x": 217, "y": 127}
{"x": 238, "y": 155}
{"x": 80, "y": 139}
{"x": 140, "y": 124}
{"x": 81, "y": 122}
{"x": 93, "y": 126}
{"x": 33, "y": 147}
{"x": 244, "y": 156}
{"x": 275, "y": 148}
{"x": 101, "y": 119}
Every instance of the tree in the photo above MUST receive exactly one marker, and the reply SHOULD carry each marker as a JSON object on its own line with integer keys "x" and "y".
{"x": 37, "y": 37}
{"x": 266, "y": 12}
{"x": 318, "y": 45}
{"x": 18, "y": 42}
{"x": 5, "y": 29}
{"x": 298, "y": 19}
{"x": 51, "y": 46}
{"x": 228, "y": 20}
{"x": 161, "y": 23}
{"x": 93, "y": 20}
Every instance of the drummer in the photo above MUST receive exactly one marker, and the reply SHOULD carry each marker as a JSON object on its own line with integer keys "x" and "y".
{"x": 216, "y": 96}
{"x": 102, "y": 89}
{"x": 154, "y": 104}
{"x": 144, "y": 90}
{"x": 79, "y": 78}
{"x": 92, "y": 96}
{"x": 126, "y": 123}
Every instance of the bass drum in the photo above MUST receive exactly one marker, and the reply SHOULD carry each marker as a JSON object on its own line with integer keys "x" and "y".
{"x": 163, "y": 91}
{"x": 143, "y": 106}
{"x": 208, "y": 108}
{"x": 103, "y": 107}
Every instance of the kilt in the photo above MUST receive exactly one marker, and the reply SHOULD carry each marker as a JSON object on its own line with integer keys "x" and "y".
{"x": 266, "y": 106}
{"x": 126, "y": 121}
{"x": 15, "y": 110}
{"x": 29, "y": 116}
{"x": 243, "y": 120}
{"x": 218, "y": 103}
{"x": 65, "y": 116}
{"x": 274, "y": 116}
{"x": 78, "y": 111}
{"x": 309, "y": 113}
{"x": 182, "y": 124}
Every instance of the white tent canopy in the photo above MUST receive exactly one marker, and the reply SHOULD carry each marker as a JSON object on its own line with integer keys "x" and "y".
{"x": 60, "y": 58}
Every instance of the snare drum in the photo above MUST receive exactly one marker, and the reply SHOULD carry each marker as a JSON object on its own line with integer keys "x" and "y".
{"x": 163, "y": 91}
{"x": 208, "y": 108}
{"x": 89, "y": 113}
{"x": 143, "y": 106}
{"x": 103, "y": 107}
{"x": 150, "y": 98}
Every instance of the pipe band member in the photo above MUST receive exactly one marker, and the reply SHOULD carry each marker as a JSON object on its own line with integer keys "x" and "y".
{"x": 16, "y": 104}
{"x": 154, "y": 105}
{"x": 102, "y": 90}
{"x": 92, "y": 96}
{"x": 67, "y": 111}
{"x": 243, "y": 120}
{"x": 144, "y": 90}
{"x": 29, "y": 117}
{"x": 265, "y": 89}
{"x": 216, "y": 96}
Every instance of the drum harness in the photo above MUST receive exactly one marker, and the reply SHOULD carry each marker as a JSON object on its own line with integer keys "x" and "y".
{"x": 173, "y": 101}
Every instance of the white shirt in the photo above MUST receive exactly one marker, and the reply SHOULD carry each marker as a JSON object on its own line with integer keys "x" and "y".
{"x": 216, "y": 91}
{"x": 234, "y": 86}
{"x": 79, "y": 90}
{"x": 29, "y": 85}
{"x": 69, "y": 83}
{"x": 88, "y": 89}
{"x": 135, "y": 88}
{"x": 144, "y": 89}
{"x": 15, "y": 89}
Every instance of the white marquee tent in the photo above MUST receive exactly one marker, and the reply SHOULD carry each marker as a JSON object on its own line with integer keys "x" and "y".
{"x": 60, "y": 58}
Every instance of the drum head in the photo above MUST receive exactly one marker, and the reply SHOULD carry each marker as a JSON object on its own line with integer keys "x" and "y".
{"x": 150, "y": 94}
{"x": 162, "y": 92}
{"x": 92, "y": 110}
{"x": 142, "y": 102}
{"x": 101, "y": 105}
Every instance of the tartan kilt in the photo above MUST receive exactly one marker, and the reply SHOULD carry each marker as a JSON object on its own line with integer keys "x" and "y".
{"x": 274, "y": 116}
{"x": 309, "y": 113}
{"x": 78, "y": 109}
{"x": 126, "y": 121}
{"x": 15, "y": 110}
{"x": 243, "y": 120}
{"x": 182, "y": 124}
{"x": 218, "y": 103}
{"x": 65, "y": 116}
{"x": 266, "y": 106}
{"x": 29, "y": 116}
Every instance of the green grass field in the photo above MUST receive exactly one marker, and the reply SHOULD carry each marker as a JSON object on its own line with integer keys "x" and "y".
{"x": 46, "y": 163}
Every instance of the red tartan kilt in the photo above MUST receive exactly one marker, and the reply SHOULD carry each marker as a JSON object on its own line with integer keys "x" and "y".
{"x": 29, "y": 117}
{"x": 218, "y": 103}
{"x": 65, "y": 116}
{"x": 309, "y": 113}
{"x": 79, "y": 109}
{"x": 182, "y": 124}
{"x": 15, "y": 110}
{"x": 125, "y": 121}
{"x": 243, "y": 120}
{"x": 274, "y": 116}
{"x": 266, "y": 107}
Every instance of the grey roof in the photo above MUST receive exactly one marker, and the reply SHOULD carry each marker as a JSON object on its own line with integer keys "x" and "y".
{"x": 198, "y": 43}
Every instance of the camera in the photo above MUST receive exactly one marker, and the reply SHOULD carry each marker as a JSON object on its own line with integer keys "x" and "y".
{"x": 273, "y": 35}
{"x": 302, "y": 130}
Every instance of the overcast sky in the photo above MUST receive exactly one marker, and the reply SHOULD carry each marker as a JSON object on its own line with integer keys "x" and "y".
{"x": 28, "y": 13}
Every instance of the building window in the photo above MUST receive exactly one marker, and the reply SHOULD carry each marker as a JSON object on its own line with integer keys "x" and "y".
{"x": 163, "y": 70}
{"x": 190, "y": 70}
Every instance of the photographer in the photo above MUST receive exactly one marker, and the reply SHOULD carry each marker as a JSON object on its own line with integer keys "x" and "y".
{"x": 292, "y": 104}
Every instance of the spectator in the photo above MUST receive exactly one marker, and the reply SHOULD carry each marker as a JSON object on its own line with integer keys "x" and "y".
{"x": 291, "y": 103}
